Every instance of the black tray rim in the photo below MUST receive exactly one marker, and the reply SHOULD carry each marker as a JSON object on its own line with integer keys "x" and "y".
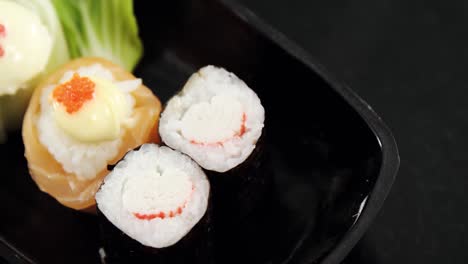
{"x": 390, "y": 154}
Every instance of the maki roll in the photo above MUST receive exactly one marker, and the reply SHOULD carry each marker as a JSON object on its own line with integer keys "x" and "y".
{"x": 153, "y": 209}
{"x": 217, "y": 120}
{"x": 85, "y": 115}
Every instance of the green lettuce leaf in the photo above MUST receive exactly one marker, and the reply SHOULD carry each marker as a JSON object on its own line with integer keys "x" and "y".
{"x": 106, "y": 29}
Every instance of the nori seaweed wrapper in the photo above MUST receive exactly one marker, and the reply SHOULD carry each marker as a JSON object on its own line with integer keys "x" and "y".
{"x": 243, "y": 203}
{"x": 238, "y": 192}
{"x": 195, "y": 247}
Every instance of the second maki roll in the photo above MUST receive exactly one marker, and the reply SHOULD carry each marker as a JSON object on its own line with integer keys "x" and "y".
{"x": 216, "y": 119}
{"x": 153, "y": 208}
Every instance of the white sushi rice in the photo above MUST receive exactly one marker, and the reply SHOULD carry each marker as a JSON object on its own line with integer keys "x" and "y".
{"x": 206, "y": 118}
{"x": 150, "y": 180}
{"x": 83, "y": 159}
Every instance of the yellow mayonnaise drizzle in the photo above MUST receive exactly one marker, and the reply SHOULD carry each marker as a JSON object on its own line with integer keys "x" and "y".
{"x": 99, "y": 119}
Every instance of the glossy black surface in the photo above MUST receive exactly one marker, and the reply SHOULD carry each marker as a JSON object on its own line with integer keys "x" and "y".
{"x": 329, "y": 152}
{"x": 409, "y": 60}
{"x": 196, "y": 245}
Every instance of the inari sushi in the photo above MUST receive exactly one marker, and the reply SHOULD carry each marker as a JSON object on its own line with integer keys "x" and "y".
{"x": 218, "y": 120}
{"x": 153, "y": 208}
{"x": 81, "y": 118}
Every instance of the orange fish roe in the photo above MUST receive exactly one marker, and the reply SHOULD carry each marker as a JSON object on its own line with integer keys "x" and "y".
{"x": 239, "y": 134}
{"x": 74, "y": 93}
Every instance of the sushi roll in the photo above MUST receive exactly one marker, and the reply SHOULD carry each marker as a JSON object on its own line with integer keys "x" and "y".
{"x": 153, "y": 208}
{"x": 82, "y": 117}
{"x": 218, "y": 120}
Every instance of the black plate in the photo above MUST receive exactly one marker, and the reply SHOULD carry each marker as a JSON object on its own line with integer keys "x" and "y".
{"x": 334, "y": 160}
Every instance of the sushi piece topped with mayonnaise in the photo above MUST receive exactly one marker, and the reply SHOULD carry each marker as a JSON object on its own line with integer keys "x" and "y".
{"x": 91, "y": 102}
{"x": 83, "y": 116}
{"x": 25, "y": 46}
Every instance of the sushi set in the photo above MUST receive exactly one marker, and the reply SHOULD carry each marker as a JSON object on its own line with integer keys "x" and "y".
{"x": 195, "y": 134}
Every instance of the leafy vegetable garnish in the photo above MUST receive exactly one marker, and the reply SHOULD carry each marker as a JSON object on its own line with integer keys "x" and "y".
{"x": 106, "y": 29}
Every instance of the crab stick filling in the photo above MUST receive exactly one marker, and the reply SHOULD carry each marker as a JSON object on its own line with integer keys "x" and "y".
{"x": 159, "y": 195}
{"x": 25, "y": 46}
{"x": 89, "y": 109}
{"x": 214, "y": 122}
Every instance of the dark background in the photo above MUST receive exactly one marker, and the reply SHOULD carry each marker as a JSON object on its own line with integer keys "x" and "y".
{"x": 409, "y": 61}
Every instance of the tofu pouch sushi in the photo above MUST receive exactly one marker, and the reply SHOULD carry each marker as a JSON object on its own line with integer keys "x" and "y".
{"x": 81, "y": 118}
{"x": 153, "y": 208}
